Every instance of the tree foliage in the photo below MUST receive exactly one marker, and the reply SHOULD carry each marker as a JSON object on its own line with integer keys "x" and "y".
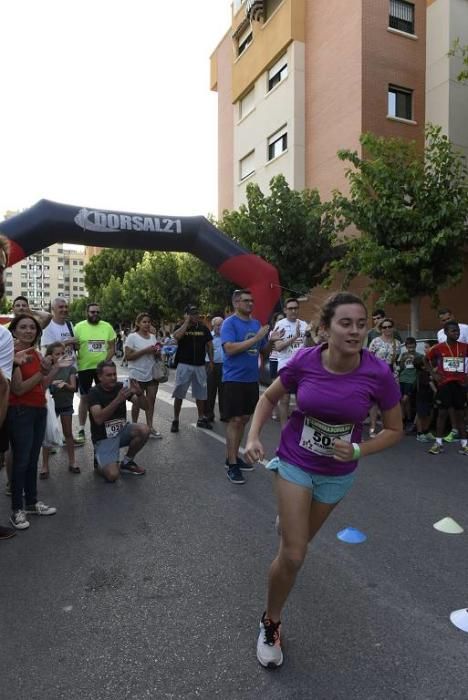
{"x": 462, "y": 52}
{"x": 411, "y": 209}
{"x": 110, "y": 262}
{"x": 292, "y": 230}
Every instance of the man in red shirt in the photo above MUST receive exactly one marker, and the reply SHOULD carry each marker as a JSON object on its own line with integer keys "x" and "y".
{"x": 448, "y": 363}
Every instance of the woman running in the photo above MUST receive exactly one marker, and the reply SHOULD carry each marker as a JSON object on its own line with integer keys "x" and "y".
{"x": 335, "y": 384}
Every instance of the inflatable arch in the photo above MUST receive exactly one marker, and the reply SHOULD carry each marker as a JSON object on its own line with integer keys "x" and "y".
{"x": 48, "y": 222}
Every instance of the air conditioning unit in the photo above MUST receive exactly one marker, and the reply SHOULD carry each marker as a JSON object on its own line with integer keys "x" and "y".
{"x": 255, "y": 10}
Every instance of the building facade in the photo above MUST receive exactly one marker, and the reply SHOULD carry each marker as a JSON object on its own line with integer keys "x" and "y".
{"x": 56, "y": 271}
{"x": 297, "y": 80}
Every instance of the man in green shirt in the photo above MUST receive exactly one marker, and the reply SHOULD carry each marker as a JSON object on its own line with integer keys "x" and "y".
{"x": 96, "y": 340}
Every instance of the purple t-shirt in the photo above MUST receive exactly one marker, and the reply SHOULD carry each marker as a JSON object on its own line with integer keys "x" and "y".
{"x": 331, "y": 406}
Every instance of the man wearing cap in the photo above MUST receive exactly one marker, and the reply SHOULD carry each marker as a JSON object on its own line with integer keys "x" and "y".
{"x": 194, "y": 341}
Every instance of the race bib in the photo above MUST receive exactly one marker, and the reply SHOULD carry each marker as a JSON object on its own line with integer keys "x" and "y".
{"x": 97, "y": 345}
{"x": 454, "y": 364}
{"x": 114, "y": 427}
{"x": 319, "y": 437}
{"x": 409, "y": 364}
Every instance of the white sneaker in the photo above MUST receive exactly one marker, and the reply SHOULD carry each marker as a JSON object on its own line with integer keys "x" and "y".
{"x": 18, "y": 520}
{"x": 155, "y": 434}
{"x": 40, "y": 508}
{"x": 269, "y": 652}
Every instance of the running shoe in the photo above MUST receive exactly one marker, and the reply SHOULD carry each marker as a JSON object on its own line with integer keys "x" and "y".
{"x": 204, "y": 423}
{"x": 269, "y": 652}
{"x": 132, "y": 468}
{"x": 175, "y": 426}
{"x": 463, "y": 450}
{"x": 80, "y": 437}
{"x": 436, "y": 449}
{"x": 18, "y": 520}
{"x": 453, "y": 435}
{"x": 155, "y": 434}
{"x": 40, "y": 508}
{"x": 234, "y": 474}
{"x": 243, "y": 466}
{"x": 424, "y": 437}
{"x": 6, "y": 532}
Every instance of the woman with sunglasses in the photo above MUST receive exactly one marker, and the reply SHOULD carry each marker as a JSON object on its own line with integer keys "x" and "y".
{"x": 335, "y": 384}
{"x": 387, "y": 348}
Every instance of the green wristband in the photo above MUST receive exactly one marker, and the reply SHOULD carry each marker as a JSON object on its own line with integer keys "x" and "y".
{"x": 356, "y": 450}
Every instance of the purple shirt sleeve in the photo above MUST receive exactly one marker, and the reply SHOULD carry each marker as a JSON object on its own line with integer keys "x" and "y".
{"x": 290, "y": 373}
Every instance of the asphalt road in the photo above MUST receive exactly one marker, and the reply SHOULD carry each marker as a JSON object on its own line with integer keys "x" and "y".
{"x": 153, "y": 587}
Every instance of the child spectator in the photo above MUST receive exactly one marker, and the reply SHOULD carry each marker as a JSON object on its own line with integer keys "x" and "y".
{"x": 425, "y": 391}
{"x": 407, "y": 379}
{"x": 62, "y": 390}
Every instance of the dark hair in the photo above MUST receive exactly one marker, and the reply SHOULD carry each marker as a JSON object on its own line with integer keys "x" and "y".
{"x": 287, "y": 301}
{"x": 419, "y": 363}
{"x": 237, "y": 293}
{"x": 102, "y": 365}
{"x": 331, "y": 304}
{"x": 22, "y": 298}
{"x": 444, "y": 311}
{"x": 20, "y": 317}
{"x": 50, "y": 348}
{"x": 91, "y": 303}
{"x": 411, "y": 340}
{"x": 378, "y": 312}
{"x": 449, "y": 324}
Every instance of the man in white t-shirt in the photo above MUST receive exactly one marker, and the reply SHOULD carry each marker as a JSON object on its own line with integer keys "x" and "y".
{"x": 293, "y": 339}
{"x": 59, "y": 329}
{"x": 447, "y": 315}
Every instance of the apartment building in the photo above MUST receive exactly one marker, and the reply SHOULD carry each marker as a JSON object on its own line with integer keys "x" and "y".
{"x": 52, "y": 272}
{"x": 299, "y": 79}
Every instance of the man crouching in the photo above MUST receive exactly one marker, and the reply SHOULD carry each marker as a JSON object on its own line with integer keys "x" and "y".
{"x": 110, "y": 429}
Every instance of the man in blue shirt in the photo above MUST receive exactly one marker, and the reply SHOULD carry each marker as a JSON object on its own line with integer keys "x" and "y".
{"x": 242, "y": 338}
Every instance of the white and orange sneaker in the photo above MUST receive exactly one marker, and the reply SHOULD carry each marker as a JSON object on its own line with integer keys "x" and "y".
{"x": 269, "y": 652}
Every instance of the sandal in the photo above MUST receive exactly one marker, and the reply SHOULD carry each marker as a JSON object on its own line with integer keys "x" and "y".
{"x": 43, "y": 475}
{"x": 74, "y": 470}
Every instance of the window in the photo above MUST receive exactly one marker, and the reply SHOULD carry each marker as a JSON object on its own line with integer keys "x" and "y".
{"x": 75, "y": 289}
{"x": 75, "y": 262}
{"x": 246, "y": 104}
{"x": 244, "y": 41}
{"x": 247, "y": 165}
{"x": 278, "y": 72}
{"x": 277, "y": 143}
{"x": 81, "y": 262}
{"x": 400, "y": 102}
{"x": 402, "y": 16}
{"x": 60, "y": 286}
{"x": 75, "y": 279}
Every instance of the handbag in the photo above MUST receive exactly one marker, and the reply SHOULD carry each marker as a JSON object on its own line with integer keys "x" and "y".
{"x": 53, "y": 434}
{"x": 160, "y": 371}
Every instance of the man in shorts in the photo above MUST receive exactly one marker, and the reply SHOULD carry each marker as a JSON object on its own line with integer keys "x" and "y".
{"x": 243, "y": 338}
{"x": 194, "y": 342}
{"x": 448, "y": 361}
{"x": 96, "y": 343}
{"x": 110, "y": 429}
{"x": 292, "y": 341}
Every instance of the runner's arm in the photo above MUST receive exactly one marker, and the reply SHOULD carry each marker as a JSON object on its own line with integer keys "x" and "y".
{"x": 390, "y": 435}
{"x": 254, "y": 449}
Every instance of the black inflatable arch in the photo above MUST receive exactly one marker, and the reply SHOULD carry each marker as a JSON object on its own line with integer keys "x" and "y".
{"x": 48, "y": 222}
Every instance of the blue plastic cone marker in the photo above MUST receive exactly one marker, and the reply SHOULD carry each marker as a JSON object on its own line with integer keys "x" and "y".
{"x": 449, "y": 526}
{"x": 459, "y": 618}
{"x": 351, "y": 535}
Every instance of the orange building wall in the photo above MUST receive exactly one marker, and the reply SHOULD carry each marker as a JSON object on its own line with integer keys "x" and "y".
{"x": 389, "y": 58}
{"x": 223, "y": 59}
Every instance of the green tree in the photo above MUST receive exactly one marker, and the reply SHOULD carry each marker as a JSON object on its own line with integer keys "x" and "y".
{"x": 411, "y": 209}
{"x": 110, "y": 262}
{"x": 77, "y": 309}
{"x": 5, "y": 305}
{"x": 462, "y": 52}
{"x": 292, "y": 230}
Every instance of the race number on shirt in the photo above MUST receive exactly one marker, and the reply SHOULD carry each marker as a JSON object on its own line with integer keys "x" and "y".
{"x": 114, "y": 427}
{"x": 319, "y": 437}
{"x": 454, "y": 364}
{"x": 97, "y": 345}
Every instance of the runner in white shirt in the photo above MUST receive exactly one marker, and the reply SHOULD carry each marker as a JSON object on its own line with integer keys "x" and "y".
{"x": 292, "y": 341}
{"x": 447, "y": 315}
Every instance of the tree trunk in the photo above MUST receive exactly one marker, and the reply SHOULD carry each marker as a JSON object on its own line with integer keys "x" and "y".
{"x": 415, "y": 307}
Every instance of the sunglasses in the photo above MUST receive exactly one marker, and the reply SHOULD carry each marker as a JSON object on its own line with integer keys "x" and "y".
{"x": 382, "y": 327}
